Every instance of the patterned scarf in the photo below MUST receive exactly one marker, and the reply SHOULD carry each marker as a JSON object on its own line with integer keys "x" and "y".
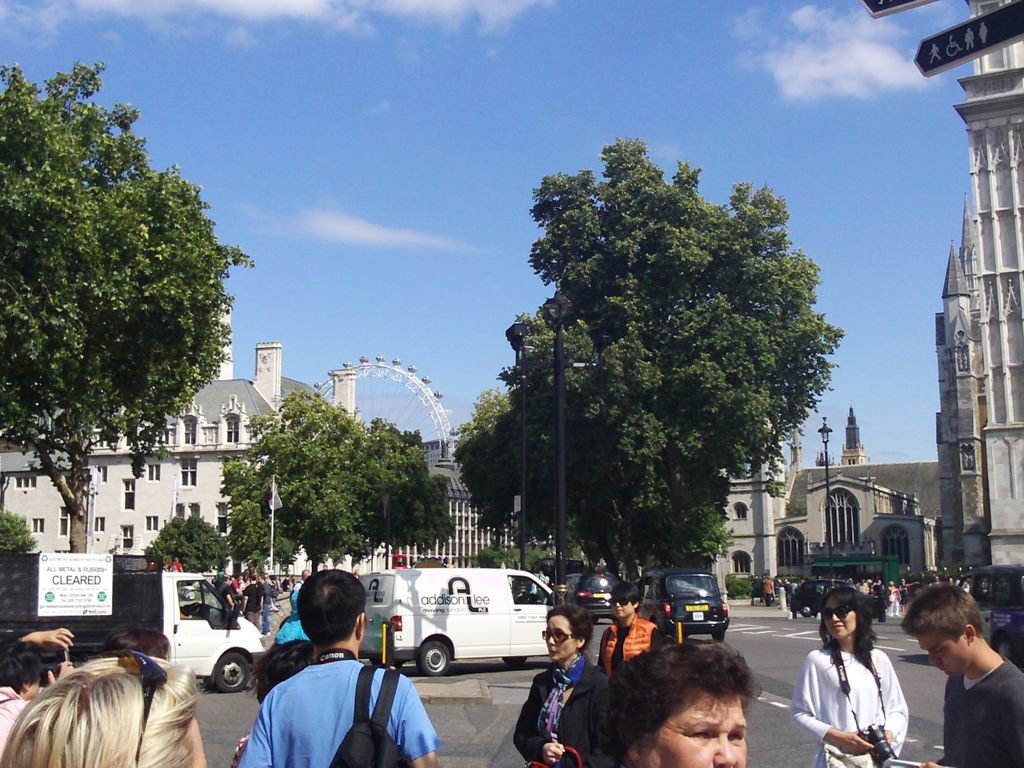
{"x": 547, "y": 721}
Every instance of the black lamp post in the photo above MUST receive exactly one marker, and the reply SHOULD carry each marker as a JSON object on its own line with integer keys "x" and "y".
{"x": 516, "y": 335}
{"x": 558, "y": 307}
{"x": 825, "y": 431}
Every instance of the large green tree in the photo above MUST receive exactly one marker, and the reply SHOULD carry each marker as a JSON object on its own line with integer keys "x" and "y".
{"x": 192, "y": 540}
{"x": 716, "y": 356}
{"x": 111, "y": 282}
{"x": 14, "y": 533}
{"x": 335, "y": 478}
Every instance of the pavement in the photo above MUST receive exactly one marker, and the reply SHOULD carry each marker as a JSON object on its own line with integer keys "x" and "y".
{"x": 460, "y": 690}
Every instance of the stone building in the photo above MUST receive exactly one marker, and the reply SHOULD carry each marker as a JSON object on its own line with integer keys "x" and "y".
{"x": 875, "y": 510}
{"x": 980, "y": 332}
{"x": 128, "y": 513}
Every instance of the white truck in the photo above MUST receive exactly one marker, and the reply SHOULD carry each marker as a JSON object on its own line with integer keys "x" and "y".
{"x": 206, "y": 635}
{"x": 436, "y": 615}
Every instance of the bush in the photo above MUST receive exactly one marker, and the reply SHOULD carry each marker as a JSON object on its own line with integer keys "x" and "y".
{"x": 738, "y": 586}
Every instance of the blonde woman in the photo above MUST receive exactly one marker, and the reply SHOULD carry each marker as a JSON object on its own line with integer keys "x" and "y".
{"x": 116, "y": 712}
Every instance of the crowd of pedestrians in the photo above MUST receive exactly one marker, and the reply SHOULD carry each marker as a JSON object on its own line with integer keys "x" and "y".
{"x": 644, "y": 705}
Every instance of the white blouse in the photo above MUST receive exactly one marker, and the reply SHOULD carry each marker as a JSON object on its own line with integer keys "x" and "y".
{"x": 819, "y": 702}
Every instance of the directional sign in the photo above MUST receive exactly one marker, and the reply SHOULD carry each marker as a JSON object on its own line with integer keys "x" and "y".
{"x": 971, "y": 39}
{"x": 879, "y": 8}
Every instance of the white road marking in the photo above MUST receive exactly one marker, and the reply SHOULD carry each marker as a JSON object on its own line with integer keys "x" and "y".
{"x": 890, "y": 648}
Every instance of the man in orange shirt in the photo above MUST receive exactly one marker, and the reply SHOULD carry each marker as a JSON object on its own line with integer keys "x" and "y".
{"x": 629, "y": 635}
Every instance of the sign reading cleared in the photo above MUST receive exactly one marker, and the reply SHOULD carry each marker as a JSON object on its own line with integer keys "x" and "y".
{"x": 75, "y": 585}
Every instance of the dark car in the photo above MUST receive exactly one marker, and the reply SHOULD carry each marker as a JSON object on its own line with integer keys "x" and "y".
{"x": 807, "y": 597}
{"x": 594, "y": 592}
{"x": 999, "y": 592}
{"x": 684, "y": 597}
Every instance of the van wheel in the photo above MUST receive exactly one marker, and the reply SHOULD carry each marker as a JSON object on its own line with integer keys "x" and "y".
{"x": 231, "y": 674}
{"x": 433, "y": 658}
{"x": 516, "y": 662}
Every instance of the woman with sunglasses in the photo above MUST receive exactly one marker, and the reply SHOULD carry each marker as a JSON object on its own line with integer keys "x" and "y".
{"x": 116, "y": 712}
{"x": 848, "y": 684}
{"x": 567, "y": 701}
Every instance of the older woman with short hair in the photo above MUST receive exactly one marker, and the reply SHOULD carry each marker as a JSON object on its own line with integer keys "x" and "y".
{"x": 116, "y": 712}
{"x": 680, "y": 706}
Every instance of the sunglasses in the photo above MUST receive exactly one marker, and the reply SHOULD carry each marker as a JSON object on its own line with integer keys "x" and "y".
{"x": 151, "y": 676}
{"x": 840, "y": 612}
{"x": 555, "y": 634}
{"x": 620, "y": 601}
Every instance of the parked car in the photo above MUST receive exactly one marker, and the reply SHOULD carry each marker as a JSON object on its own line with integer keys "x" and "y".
{"x": 807, "y": 597}
{"x": 686, "y": 597}
{"x": 999, "y": 591}
{"x": 594, "y": 592}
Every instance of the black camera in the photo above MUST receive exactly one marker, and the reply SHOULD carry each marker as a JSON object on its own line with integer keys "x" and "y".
{"x": 881, "y": 749}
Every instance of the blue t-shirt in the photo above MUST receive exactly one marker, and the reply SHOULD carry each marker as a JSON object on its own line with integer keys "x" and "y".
{"x": 303, "y": 720}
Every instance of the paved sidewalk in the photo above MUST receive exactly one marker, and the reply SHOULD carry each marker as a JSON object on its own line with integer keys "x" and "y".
{"x": 742, "y": 609}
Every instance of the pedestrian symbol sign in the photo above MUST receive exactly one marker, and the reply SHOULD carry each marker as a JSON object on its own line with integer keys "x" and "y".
{"x": 878, "y": 8}
{"x": 973, "y": 38}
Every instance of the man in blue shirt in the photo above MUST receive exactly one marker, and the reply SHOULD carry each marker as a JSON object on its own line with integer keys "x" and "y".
{"x": 303, "y": 720}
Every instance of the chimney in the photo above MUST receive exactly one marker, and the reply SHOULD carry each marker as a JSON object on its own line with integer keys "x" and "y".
{"x": 267, "y": 378}
{"x": 227, "y": 365}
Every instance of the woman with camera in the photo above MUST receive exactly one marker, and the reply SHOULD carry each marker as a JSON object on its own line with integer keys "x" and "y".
{"x": 847, "y": 695}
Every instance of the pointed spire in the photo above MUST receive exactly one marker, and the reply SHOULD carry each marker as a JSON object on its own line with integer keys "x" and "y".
{"x": 968, "y": 239}
{"x": 956, "y": 283}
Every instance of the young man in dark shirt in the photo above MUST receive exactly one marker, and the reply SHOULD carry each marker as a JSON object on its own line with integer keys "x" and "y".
{"x": 252, "y": 602}
{"x": 984, "y": 709}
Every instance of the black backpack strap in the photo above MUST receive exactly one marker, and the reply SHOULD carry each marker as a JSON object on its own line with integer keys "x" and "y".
{"x": 385, "y": 698}
{"x": 363, "y": 685}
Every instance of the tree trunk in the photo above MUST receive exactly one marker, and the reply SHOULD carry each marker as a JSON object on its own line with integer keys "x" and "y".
{"x": 72, "y": 485}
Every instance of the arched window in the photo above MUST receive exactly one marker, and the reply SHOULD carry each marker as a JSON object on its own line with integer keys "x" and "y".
{"x": 790, "y": 547}
{"x": 740, "y": 510}
{"x": 741, "y": 562}
{"x": 844, "y": 515}
{"x": 896, "y": 542}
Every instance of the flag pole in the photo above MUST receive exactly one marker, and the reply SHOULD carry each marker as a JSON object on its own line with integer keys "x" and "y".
{"x": 273, "y": 500}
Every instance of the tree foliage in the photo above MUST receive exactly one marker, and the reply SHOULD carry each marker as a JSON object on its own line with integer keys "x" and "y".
{"x": 15, "y": 535}
{"x": 111, "y": 282}
{"x": 192, "y": 540}
{"x": 716, "y": 356}
{"x": 334, "y": 477}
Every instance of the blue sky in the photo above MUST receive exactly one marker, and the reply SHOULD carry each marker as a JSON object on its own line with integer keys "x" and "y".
{"x": 376, "y": 159}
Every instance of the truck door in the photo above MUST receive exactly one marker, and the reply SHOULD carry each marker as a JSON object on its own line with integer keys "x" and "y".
{"x": 530, "y": 605}
{"x": 200, "y": 620}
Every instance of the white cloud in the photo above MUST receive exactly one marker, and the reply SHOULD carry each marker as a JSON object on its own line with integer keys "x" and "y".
{"x": 819, "y": 53}
{"x": 240, "y": 37}
{"x": 343, "y": 14}
{"x": 343, "y": 228}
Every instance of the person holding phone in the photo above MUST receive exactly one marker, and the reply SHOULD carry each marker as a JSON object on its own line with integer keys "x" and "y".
{"x": 21, "y": 675}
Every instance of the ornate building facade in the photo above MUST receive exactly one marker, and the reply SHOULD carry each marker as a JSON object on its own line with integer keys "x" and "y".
{"x": 980, "y": 332}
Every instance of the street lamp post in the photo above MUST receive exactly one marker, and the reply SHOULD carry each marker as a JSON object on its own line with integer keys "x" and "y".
{"x": 825, "y": 431}
{"x": 516, "y": 335}
{"x": 558, "y": 307}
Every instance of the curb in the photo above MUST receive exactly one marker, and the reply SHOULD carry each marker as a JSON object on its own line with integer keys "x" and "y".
{"x": 467, "y": 691}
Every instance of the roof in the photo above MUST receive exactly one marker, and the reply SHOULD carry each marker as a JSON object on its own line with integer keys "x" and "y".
{"x": 912, "y": 477}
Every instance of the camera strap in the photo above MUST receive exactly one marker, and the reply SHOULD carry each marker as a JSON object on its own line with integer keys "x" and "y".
{"x": 844, "y": 684}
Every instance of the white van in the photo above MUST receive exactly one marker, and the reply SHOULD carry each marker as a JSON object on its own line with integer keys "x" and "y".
{"x": 206, "y": 636}
{"x": 436, "y": 615}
